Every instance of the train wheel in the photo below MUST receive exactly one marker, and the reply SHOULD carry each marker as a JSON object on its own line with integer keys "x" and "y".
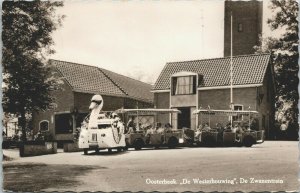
{"x": 173, "y": 142}
{"x": 138, "y": 144}
{"x": 209, "y": 141}
{"x": 109, "y": 150}
{"x": 119, "y": 149}
{"x": 85, "y": 151}
{"x": 97, "y": 150}
{"x": 248, "y": 141}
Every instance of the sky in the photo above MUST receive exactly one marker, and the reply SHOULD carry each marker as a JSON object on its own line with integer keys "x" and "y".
{"x": 137, "y": 38}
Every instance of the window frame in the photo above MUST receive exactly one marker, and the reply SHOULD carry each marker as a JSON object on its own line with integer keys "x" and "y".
{"x": 192, "y": 86}
{"x": 237, "y": 117}
{"x": 42, "y": 122}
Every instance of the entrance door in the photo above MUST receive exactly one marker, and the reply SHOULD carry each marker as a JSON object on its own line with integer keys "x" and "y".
{"x": 184, "y": 118}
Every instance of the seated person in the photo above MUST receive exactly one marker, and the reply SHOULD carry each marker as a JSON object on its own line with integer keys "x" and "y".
{"x": 198, "y": 133}
{"x": 238, "y": 130}
{"x": 159, "y": 129}
{"x": 168, "y": 127}
{"x": 130, "y": 130}
{"x": 228, "y": 128}
{"x": 206, "y": 127}
{"x": 130, "y": 124}
{"x": 150, "y": 130}
{"x": 219, "y": 127}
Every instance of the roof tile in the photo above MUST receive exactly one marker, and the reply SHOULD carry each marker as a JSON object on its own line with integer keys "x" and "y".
{"x": 247, "y": 69}
{"x": 91, "y": 79}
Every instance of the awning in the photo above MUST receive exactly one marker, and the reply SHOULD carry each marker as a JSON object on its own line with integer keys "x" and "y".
{"x": 224, "y": 112}
{"x": 147, "y": 111}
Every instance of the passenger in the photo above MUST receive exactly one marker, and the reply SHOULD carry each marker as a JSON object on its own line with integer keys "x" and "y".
{"x": 219, "y": 127}
{"x": 120, "y": 126}
{"x": 159, "y": 129}
{"x": 138, "y": 127}
{"x": 198, "y": 133}
{"x": 113, "y": 115}
{"x": 238, "y": 130}
{"x": 228, "y": 128}
{"x": 206, "y": 127}
{"x": 150, "y": 130}
{"x": 130, "y": 130}
{"x": 130, "y": 124}
{"x": 220, "y": 130}
{"x": 168, "y": 127}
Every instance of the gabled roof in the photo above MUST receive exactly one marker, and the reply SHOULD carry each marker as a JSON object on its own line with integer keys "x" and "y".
{"x": 247, "y": 69}
{"x": 91, "y": 79}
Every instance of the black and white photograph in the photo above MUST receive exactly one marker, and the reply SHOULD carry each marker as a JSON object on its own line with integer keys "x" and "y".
{"x": 150, "y": 95}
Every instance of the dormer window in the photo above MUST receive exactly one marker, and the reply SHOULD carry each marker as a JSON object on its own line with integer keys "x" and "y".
{"x": 184, "y": 84}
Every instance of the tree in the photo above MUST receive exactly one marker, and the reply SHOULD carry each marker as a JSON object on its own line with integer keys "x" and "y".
{"x": 285, "y": 58}
{"x": 27, "y": 41}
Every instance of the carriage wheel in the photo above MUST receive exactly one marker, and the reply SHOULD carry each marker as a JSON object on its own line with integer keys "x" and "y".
{"x": 85, "y": 151}
{"x": 209, "y": 141}
{"x": 138, "y": 144}
{"x": 248, "y": 141}
{"x": 173, "y": 142}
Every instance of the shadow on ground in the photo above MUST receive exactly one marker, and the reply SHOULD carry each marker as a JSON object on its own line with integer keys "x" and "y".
{"x": 30, "y": 177}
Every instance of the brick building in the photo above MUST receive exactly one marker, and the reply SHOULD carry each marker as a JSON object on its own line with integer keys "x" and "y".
{"x": 80, "y": 83}
{"x": 190, "y": 84}
{"x": 246, "y": 26}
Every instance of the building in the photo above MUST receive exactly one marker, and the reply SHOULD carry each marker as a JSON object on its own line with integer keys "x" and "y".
{"x": 189, "y": 85}
{"x": 80, "y": 83}
{"x": 246, "y": 26}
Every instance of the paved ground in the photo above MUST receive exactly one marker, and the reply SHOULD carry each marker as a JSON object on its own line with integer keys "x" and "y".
{"x": 140, "y": 170}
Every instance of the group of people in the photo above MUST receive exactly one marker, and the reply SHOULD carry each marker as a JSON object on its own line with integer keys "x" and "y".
{"x": 237, "y": 128}
{"x": 147, "y": 128}
{"x": 158, "y": 129}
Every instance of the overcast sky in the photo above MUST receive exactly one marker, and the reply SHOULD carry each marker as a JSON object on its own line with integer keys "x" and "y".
{"x": 137, "y": 38}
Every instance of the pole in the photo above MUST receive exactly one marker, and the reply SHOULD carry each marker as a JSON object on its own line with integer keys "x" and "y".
{"x": 231, "y": 70}
{"x": 138, "y": 124}
{"x": 249, "y": 118}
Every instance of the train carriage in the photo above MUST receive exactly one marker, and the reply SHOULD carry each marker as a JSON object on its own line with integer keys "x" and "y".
{"x": 145, "y": 119}
{"x": 226, "y": 136}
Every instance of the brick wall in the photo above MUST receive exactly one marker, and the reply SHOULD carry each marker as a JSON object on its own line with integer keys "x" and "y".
{"x": 162, "y": 101}
{"x": 64, "y": 100}
{"x": 266, "y": 106}
{"x": 249, "y": 15}
{"x": 220, "y": 99}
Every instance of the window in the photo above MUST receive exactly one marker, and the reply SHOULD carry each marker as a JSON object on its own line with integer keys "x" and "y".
{"x": 104, "y": 126}
{"x": 63, "y": 123}
{"x": 79, "y": 119}
{"x": 184, "y": 85}
{"x": 44, "y": 125}
{"x": 240, "y": 27}
{"x": 238, "y": 117}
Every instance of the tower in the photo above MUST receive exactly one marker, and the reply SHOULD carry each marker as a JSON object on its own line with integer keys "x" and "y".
{"x": 246, "y": 26}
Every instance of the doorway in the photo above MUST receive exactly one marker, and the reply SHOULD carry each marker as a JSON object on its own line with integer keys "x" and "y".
{"x": 184, "y": 118}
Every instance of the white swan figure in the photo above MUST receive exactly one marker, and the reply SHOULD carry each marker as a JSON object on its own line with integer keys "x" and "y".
{"x": 95, "y": 107}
